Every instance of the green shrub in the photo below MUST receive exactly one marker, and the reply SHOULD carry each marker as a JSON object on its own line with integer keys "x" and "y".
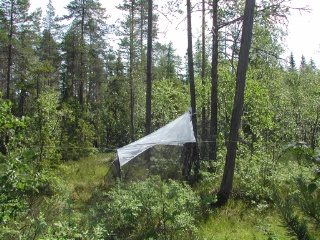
{"x": 253, "y": 176}
{"x": 20, "y": 180}
{"x": 298, "y": 205}
{"x": 19, "y": 183}
{"x": 309, "y": 197}
{"x": 296, "y": 226}
{"x": 151, "y": 209}
{"x": 77, "y": 133}
{"x": 43, "y": 132}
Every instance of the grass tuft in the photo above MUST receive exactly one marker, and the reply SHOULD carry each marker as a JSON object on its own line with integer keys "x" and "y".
{"x": 238, "y": 220}
{"x": 83, "y": 176}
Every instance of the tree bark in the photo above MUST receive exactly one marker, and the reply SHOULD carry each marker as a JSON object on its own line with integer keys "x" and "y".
{"x": 149, "y": 66}
{"x": 214, "y": 85}
{"x": 142, "y": 12}
{"x": 82, "y": 59}
{"x": 149, "y": 77}
{"x": 131, "y": 73}
{"x": 10, "y": 53}
{"x": 227, "y": 180}
{"x": 195, "y": 157}
{"x": 203, "y": 75}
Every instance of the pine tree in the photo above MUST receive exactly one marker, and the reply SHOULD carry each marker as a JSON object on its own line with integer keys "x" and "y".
{"x": 149, "y": 67}
{"x": 128, "y": 29}
{"x": 292, "y": 62}
{"x": 166, "y": 61}
{"x": 214, "y": 84}
{"x": 303, "y": 62}
{"x": 18, "y": 29}
{"x": 227, "y": 180}
{"x": 88, "y": 24}
{"x": 195, "y": 158}
{"x": 133, "y": 32}
{"x": 47, "y": 71}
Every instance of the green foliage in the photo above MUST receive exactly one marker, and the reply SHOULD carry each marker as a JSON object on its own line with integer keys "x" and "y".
{"x": 170, "y": 99}
{"x": 44, "y": 129}
{"x": 309, "y": 197}
{"x": 240, "y": 220}
{"x": 19, "y": 183}
{"x": 254, "y": 175}
{"x": 114, "y": 116}
{"x": 62, "y": 213}
{"x": 258, "y": 118}
{"x": 151, "y": 209}
{"x": 296, "y": 226}
{"x": 300, "y": 102}
{"x": 10, "y": 128}
{"x": 203, "y": 92}
{"x": 225, "y": 90}
{"x": 298, "y": 199}
{"x": 257, "y": 173}
{"x": 299, "y": 151}
{"x": 77, "y": 134}
{"x": 19, "y": 179}
{"x": 166, "y": 62}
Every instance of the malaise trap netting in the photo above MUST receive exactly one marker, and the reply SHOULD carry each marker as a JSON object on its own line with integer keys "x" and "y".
{"x": 163, "y": 147}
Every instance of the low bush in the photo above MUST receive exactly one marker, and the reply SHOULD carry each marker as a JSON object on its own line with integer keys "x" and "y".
{"x": 150, "y": 209}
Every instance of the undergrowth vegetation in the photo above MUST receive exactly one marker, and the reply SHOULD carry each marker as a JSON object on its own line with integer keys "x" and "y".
{"x": 60, "y": 212}
{"x": 150, "y": 209}
{"x": 78, "y": 205}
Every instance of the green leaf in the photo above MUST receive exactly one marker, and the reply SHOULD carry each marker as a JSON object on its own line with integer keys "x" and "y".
{"x": 8, "y": 125}
{"x": 29, "y": 155}
{"x": 20, "y": 185}
{"x": 312, "y": 187}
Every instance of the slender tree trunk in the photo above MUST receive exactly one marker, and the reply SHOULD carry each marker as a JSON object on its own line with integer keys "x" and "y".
{"x": 214, "y": 85}
{"x": 131, "y": 73}
{"x": 38, "y": 86}
{"x": 71, "y": 92}
{"x": 149, "y": 66}
{"x": 10, "y": 54}
{"x": 49, "y": 74}
{"x": 141, "y": 34}
{"x": 203, "y": 75}
{"x": 149, "y": 79}
{"x": 9, "y": 69}
{"x": 227, "y": 180}
{"x": 82, "y": 63}
{"x": 192, "y": 89}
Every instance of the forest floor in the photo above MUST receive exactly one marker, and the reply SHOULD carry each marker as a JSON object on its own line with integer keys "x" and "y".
{"x": 237, "y": 220}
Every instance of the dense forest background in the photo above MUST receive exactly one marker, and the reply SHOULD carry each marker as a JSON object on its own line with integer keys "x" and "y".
{"x": 70, "y": 92}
